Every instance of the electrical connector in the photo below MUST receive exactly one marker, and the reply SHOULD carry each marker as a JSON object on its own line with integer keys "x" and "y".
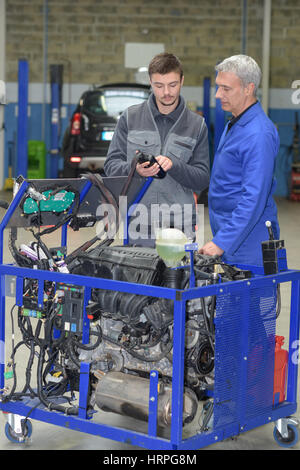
{"x": 93, "y": 311}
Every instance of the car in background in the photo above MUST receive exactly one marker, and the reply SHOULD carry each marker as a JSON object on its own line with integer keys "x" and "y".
{"x": 88, "y": 136}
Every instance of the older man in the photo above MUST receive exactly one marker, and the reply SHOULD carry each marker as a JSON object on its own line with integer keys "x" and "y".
{"x": 242, "y": 181}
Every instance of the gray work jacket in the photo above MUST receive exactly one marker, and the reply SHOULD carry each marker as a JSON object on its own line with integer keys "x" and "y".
{"x": 185, "y": 143}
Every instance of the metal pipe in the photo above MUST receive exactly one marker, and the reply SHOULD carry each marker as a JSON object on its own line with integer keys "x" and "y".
{"x": 128, "y": 395}
{"x": 266, "y": 54}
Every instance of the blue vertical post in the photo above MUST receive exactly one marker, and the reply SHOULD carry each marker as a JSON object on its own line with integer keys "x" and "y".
{"x": 55, "y": 116}
{"x": 22, "y": 138}
{"x": 131, "y": 209}
{"x": 206, "y": 102}
{"x": 293, "y": 342}
{"x": 85, "y": 320}
{"x": 191, "y": 248}
{"x": 153, "y": 403}
{"x": 9, "y": 213}
{"x": 84, "y": 389}
{"x": 19, "y": 281}
{"x": 2, "y": 332}
{"x": 83, "y": 193}
{"x": 219, "y": 122}
{"x": 178, "y": 372}
{"x": 56, "y": 79}
{"x": 244, "y": 359}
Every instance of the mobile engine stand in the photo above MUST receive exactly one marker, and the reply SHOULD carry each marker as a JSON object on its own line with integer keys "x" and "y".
{"x": 109, "y": 325}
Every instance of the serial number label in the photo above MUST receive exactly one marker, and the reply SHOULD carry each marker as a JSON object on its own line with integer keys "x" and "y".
{"x": 153, "y": 459}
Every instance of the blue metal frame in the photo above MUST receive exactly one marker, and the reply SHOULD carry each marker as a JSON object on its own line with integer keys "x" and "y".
{"x": 22, "y": 138}
{"x": 132, "y": 208}
{"x": 206, "y": 102}
{"x": 85, "y": 423}
{"x": 219, "y": 122}
{"x": 55, "y": 125}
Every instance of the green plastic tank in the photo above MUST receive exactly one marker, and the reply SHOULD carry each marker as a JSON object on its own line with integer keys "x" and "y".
{"x": 36, "y": 168}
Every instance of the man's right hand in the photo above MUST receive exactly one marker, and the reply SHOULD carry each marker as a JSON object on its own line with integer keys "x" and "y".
{"x": 211, "y": 249}
{"x": 143, "y": 169}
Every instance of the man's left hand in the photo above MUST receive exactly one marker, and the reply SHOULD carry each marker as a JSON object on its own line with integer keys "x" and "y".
{"x": 164, "y": 162}
{"x": 211, "y": 249}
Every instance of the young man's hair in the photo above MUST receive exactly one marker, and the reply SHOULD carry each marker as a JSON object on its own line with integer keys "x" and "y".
{"x": 165, "y": 63}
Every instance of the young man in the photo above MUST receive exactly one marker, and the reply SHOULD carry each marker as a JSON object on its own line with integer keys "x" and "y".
{"x": 177, "y": 137}
{"x": 242, "y": 183}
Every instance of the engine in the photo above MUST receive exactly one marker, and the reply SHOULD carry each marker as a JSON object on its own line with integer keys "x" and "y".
{"x": 129, "y": 335}
{"x": 137, "y": 333}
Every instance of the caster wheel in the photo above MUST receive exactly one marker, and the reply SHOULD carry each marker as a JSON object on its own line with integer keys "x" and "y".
{"x": 18, "y": 438}
{"x": 289, "y": 441}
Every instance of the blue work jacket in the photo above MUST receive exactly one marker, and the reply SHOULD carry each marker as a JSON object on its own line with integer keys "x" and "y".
{"x": 242, "y": 184}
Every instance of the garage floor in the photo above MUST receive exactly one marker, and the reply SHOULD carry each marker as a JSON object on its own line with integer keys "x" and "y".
{"x": 50, "y": 437}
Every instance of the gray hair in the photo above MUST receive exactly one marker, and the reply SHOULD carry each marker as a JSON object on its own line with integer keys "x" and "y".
{"x": 244, "y": 67}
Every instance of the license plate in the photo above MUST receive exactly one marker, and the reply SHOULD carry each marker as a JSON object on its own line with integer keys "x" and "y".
{"x": 107, "y": 135}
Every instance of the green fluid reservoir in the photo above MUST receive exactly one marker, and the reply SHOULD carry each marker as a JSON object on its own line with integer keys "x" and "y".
{"x": 36, "y": 160}
{"x": 170, "y": 245}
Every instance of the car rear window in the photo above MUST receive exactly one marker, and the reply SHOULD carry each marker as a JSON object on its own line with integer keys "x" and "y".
{"x": 113, "y": 102}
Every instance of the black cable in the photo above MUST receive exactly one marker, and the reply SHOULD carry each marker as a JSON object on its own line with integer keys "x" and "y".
{"x": 68, "y": 217}
{"x": 90, "y": 347}
{"x": 39, "y": 378}
{"x": 47, "y": 403}
{"x": 137, "y": 355}
{"x": 80, "y": 251}
{"x": 20, "y": 259}
{"x": 206, "y": 323}
{"x": 13, "y": 365}
{"x": 30, "y": 341}
{"x": 278, "y": 309}
{"x": 71, "y": 352}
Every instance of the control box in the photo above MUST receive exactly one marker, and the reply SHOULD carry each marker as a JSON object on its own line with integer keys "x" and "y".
{"x": 274, "y": 256}
{"x": 72, "y": 305}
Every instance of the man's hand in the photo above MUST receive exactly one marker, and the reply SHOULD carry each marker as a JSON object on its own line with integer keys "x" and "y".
{"x": 165, "y": 162}
{"x": 143, "y": 169}
{"x": 211, "y": 249}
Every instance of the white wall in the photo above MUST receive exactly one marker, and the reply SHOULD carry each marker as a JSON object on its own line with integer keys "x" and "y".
{"x": 279, "y": 98}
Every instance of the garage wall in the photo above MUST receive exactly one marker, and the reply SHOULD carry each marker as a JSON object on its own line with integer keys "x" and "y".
{"x": 89, "y": 36}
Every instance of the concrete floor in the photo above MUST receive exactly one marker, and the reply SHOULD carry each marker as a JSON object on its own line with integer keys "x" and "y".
{"x": 50, "y": 437}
